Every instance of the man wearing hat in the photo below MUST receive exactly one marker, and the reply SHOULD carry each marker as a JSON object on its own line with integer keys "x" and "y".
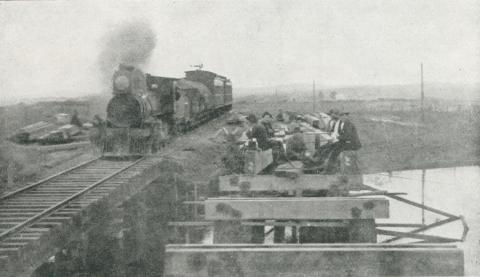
{"x": 344, "y": 136}
{"x": 258, "y": 132}
{"x": 334, "y": 123}
{"x": 266, "y": 121}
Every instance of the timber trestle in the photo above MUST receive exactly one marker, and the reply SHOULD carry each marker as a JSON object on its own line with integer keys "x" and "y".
{"x": 277, "y": 226}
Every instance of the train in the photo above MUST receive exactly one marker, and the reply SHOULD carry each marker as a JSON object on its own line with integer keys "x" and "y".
{"x": 146, "y": 111}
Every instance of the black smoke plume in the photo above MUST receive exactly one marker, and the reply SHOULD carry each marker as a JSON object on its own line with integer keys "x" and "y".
{"x": 129, "y": 43}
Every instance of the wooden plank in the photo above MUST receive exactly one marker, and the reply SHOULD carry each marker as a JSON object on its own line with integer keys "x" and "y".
{"x": 295, "y": 208}
{"x": 373, "y": 193}
{"x": 190, "y": 223}
{"x": 289, "y": 170}
{"x": 257, "y": 160}
{"x": 232, "y": 183}
{"x": 297, "y": 224}
{"x": 401, "y": 225}
{"x": 288, "y": 260}
{"x": 314, "y": 245}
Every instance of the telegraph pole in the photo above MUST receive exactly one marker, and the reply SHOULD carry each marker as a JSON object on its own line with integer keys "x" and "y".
{"x": 314, "y": 100}
{"x": 423, "y": 196}
{"x": 422, "y": 93}
{"x": 276, "y": 97}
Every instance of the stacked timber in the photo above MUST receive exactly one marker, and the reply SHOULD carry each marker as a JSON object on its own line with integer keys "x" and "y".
{"x": 63, "y": 118}
{"x": 33, "y": 132}
{"x": 63, "y": 134}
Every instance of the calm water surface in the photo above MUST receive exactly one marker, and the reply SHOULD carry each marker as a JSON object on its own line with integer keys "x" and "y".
{"x": 454, "y": 190}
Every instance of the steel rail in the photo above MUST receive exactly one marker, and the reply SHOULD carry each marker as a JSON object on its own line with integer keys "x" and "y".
{"x": 30, "y": 220}
{"x": 10, "y": 194}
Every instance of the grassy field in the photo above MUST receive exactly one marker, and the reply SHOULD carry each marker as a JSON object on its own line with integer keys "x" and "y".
{"x": 443, "y": 139}
{"x": 27, "y": 163}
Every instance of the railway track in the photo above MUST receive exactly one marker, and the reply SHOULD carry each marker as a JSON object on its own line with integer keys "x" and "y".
{"x": 27, "y": 213}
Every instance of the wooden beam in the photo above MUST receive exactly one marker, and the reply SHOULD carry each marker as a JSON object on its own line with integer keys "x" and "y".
{"x": 302, "y": 260}
{"x": 401, "y": 225}
{"x": 245, "y": 183}
{"x": 298, "y": 224}
{"x": 373, "y": 193}
{"x": 308, "y": 208}
{"x": 314, "y": 245}
{"x": 190, "y": 223}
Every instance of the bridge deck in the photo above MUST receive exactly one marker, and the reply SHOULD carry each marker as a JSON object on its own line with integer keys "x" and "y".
{"x": 26, "y": 249}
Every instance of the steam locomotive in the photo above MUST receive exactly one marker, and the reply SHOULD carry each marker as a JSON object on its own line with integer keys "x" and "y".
{"x": 146, "y": 111}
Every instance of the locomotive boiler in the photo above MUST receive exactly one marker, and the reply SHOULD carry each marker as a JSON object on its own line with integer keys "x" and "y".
{"x": 146, "y": 111}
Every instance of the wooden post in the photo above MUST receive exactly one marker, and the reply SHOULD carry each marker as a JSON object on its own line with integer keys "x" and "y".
{"x": 3, "y": 123}
{"x": 276, "y": 98}
{"x": 314, "y": 100}
{"x": 175, "y": 188}
{"x": 10, "y": 172}
{"x": 195, "y": 198}
{"x": 3, "y": 136}
{"x": 423, "y": 196}
{"x": 422, "y": 93}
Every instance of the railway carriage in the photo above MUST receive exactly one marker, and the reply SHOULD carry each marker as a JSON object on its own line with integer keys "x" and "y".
{"x": 146, "y": 111}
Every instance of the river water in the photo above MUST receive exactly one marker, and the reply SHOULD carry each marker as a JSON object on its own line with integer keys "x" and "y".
{"x": 453, "y": 190}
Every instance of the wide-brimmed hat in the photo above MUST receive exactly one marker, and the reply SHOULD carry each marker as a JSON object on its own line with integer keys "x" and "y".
{"x": 267, "y": 114}
{"x": 336, "y": 112}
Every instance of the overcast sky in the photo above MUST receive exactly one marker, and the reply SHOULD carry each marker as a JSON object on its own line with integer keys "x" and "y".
{"x": 50, "y": 47}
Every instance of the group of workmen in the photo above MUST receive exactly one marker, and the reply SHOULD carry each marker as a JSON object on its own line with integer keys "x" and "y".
{"x": 343, "y": 134}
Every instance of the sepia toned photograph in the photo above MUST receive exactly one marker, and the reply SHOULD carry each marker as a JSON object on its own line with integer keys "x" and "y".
{"x": 226, "y": 138}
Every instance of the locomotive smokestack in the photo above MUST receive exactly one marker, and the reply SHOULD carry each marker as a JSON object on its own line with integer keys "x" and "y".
{"x": 130, "y": 43}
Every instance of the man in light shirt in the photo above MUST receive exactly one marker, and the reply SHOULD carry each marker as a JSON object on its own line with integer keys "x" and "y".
{"x": 344, "y": 137}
